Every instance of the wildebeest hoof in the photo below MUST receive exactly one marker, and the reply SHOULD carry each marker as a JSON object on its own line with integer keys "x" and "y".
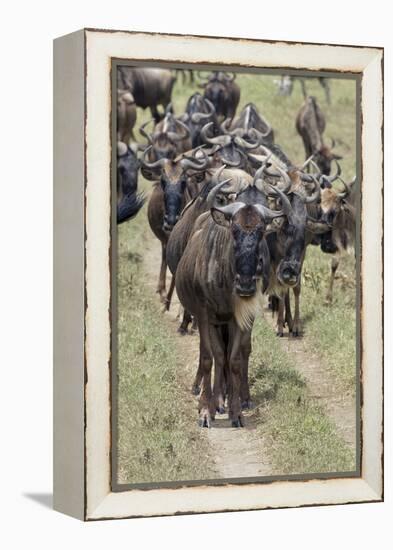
{"x": 195, "y": 390}
{"x": 238, "y": 423}
{"x": 295, "y": 333}
{"x": 247, "y": 405}
{"x": 182, "y": 331}
{"x": 220, "y": 410}
{"x": 280, "y": 333}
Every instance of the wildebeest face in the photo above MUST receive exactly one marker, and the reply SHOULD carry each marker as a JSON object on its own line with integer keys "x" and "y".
{"x": 324, "y": 158}
{"x": 173, "y": 200}
{"x": 292, "y": 238}
{"x": 127, "y": 169}
{"x": 217, "y": 93}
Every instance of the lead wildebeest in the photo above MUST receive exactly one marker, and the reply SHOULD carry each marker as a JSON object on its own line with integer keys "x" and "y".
{"x": 199, "y": 112}
{"x": 220, "y": 279}
{"x": 250, "y": 119}
{"x": 223, "y": 92}
{"x": 126, "y": 116}
{"x": 129, "y": 202}
{"x": 149, "y": 87}
{"x": 176, "y": 183}
{"x": 310, "y": 124}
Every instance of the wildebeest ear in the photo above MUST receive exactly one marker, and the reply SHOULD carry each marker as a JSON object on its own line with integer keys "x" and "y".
{"x": 220, "y": 218}
{"x": 317, "y": 227}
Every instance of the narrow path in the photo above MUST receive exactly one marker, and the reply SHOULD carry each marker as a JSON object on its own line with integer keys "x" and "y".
{"x": 236, "y": 453}
{"x": 339, "y": 407}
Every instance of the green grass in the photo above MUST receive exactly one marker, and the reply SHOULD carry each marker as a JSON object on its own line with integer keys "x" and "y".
{"x": 158, "y": 437}
{"x": 299, "y": 437}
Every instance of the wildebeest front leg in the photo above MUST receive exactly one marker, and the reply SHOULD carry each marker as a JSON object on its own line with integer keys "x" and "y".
{"x": 245, "y": 389}
{"x": 235, "y": 369}
{"x": 333, "y": 269}
{"x": 280, "y": 317}
{"x": 219, "y": 353}
{"x": 296, "y": 319}
{"x": 288, "y": 314}
{"x": 161, "y": 280}
{"x": 206, "y": 404}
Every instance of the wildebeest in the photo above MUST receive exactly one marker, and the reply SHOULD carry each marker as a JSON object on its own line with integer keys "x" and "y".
{"x": 285, "y": 85}
{"x": 223, "y": 92}
{"x": 176, "y": 185}
{"x": 250, "y": 119}
{"x": 199, "y": 112}
{"x": 231, "y": 150}
{"x": 310, "y": 124}
{"x": 149, "y": 87}
{"x": 338, "y": 209}
{"x": 126, "y": 116}
{"x": 129, "y": 202}
{"x": 220, "y": 280}
{"x": 169, "y": 138}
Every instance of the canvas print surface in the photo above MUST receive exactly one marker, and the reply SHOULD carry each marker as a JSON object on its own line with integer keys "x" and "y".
{"x": 237, "y": 196}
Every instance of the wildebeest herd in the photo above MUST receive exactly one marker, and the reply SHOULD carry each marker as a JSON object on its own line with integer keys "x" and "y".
{"x": 234, "y": 216}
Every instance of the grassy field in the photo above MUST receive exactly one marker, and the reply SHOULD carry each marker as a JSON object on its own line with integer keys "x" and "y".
{"x": 158, "y": 434}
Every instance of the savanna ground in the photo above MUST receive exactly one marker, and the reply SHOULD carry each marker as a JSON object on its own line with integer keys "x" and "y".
{"x": 303, "y": 389}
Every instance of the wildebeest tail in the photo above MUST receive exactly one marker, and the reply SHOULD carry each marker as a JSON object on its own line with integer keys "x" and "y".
{"x": 129, "y": 206}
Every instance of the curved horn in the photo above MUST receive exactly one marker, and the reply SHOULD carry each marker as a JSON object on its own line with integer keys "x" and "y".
{"x": 285, "y": 202}
{"x": 226, "y": 125}
{"x": 197, "y": 117}
{"x": 344, "y": 194}
{"x": 144, "y": 133}
{"x": 305, "y": 164}
{"x": 230, "y": 209}
{"x": 284, "y": 175}
{"x": 156, "y": 164}
{"x": 315, "y": 196}
{"x": 267, "y": 213}
{"x": 228, "y": 77}
{"x": 194, "y": 163}
{"x": 262, "y": 135}
{"x": 213, "y": 193}
{"x": 331, "y": 179}
{"x": 220, "y": 140}
{"x": 246, "y": 144}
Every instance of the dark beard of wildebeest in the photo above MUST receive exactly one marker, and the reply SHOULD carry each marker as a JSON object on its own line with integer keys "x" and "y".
{"x": 220, "y": 280}
{"x": 199, "y": 112}
{"x": 129, "y": 202}
{"x": 149, "y": 87}
{"x": 174, "y": 188}
{"x": 223, "y": 92}
{"x": 338, "y": 210}
{"x": 310, "y": 124}
{"x": 232, "y": 150}
{"x": 250, "y": 119}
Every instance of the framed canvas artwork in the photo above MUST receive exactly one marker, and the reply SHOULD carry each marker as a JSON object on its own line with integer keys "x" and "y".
{"x": 218, "y": 274}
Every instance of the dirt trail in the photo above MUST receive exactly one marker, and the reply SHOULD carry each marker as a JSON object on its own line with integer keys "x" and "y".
{"x": 240, "y": 453}
{"x": 236, "y": 452}
{"x": 341, "y": 409}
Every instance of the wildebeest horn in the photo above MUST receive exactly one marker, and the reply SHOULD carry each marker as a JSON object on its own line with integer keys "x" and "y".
{"x": 213, "y": 193}
{"x": 144, "y": 133}
{"x": 229, "y": 78}
{"x": 193, "y": 162}
{"x": 344, "y": 194}
{"x": 331, "y": 179}
{"x": 220, "y": 140}
{"x": 177, "y": 136}
{"x": 230, "y": 209}
{"x": 305, "y": 164}
{"x": 267, "y": 213}
{"x": 247, "y": 144}
{"x": 283, "y": 174}
{"x": 233, "y": 163}
{"x": 226, "y": 125}
{"x": 285, "y": 202}
{"x": 197, "y": 117}
{"x": 314, "y": 197}
{"x": 156, "y": 164}
{"x": 262, "y": 135}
